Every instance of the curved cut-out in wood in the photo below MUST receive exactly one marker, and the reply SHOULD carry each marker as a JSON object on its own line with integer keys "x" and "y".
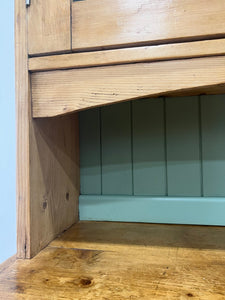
{"x": 64, "y": 91}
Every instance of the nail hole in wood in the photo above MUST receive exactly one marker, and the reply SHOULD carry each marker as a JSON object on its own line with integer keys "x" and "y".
{"x": 44, "y": 204}
{"x": 67, "y": 196}
{"x": 85, "y": 282}
{"x": 189, "y": 294}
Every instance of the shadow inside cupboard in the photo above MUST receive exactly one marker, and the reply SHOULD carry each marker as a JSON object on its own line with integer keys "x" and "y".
{"x": 158, "y": 160}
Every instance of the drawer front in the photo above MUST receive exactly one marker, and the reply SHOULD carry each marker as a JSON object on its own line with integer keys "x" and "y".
{"x": 49, "y": 27}
{"x": 106, "y": 23}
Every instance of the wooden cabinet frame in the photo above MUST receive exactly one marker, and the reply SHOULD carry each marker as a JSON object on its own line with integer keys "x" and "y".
{"x": 48, "y": 148}
{"x": 39, "y": 217}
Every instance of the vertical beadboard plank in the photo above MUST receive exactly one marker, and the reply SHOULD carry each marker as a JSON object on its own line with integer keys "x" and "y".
{"x": 183, "y": 146}
{"x": 90, "y": 160}
{"x": 116, "y": 149}
{"x": 149, "y": 163}
{"x": 213, "y": 144}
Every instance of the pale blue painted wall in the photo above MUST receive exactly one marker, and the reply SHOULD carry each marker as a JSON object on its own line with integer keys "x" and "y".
{"x": 7, "y": 133}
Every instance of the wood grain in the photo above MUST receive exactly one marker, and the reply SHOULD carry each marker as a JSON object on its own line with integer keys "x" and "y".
{"x": 23, "y": 113}
{"x": 116, "y": 236}
{"x": 47, "y": 150}
{"x": 7, "y": 263}
{"x": 143, "y": 21}
{"x": 96, "y": 261}
{"x": 54, "y": 178}
{"x": 65, "y": 91}
{"x": 128, "y": 55}
{"x": 49, "y": 26}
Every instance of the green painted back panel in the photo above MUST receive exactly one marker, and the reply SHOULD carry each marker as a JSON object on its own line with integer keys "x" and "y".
{"x": 149, "y": 164}
{"x": 116, "y": 149}
{"x": 90, "y": 156}
{"x": 183, "y": 146}
{"x": 145, "y": 148}
{"x": 213, "y": 144}
{"x": 170, "y": 210}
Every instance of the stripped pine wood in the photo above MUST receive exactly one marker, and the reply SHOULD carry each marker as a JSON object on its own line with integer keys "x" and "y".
{"x": 96, "y": 261}
{"x": 128, "y": 55}
{"x": 47, "y": 152}
{"x": 113, "y": 236}
{"x": 23, "y": 115}
{"x": 60, "y": 92}
{"x": 143, "y": 21}
{"x": 47, "y": 149}
{"x": 7, "y": 263}
{"x": 54, "y": 178}
{"x": 49, "y": 26}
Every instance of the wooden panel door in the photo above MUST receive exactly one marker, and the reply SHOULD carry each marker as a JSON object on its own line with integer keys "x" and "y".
{"x": 49, "y": 26}
{"x": 106, "y": 23}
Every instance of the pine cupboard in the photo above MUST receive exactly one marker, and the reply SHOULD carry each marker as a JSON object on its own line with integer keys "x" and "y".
{"x": 105, "y": 23}
{"x": 48, "y": 26}
{"x": 60, "y": 26}
{"x": 76, "y": 55}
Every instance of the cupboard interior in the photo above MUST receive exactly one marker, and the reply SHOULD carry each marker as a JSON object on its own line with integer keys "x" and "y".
{"x": 155, "y": 160}
{"x": 48, "y": 148}
{"x": 158, "y": 160}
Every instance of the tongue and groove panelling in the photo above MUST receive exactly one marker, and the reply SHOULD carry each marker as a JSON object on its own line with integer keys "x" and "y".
{"x": 183, "y": 146}
{"x": 155, "y": 147}
{"x": 90, "y": 152}
{"x": 116, "y": 149}
{"x": 149, "y": 160}
{"x": 213, "y": 145}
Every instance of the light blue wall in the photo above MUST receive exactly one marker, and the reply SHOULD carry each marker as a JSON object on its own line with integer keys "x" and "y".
{"x": 7, "y": 133}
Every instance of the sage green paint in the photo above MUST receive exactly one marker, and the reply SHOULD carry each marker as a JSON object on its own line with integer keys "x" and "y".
{"x": 173, "y": 210}
{"x": 90, "y": 157}
{"x": 149, "y": 164}
{"x": 213, "y": 144}
{"x": 183, "y": 146}
{"x": 173, "y": 148}
{"x": 116, "y": 149}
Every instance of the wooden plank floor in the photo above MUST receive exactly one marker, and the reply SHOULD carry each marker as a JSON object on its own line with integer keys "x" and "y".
{"x": 100, "y": 260}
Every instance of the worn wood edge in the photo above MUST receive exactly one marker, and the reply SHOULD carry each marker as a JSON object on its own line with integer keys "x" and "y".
{"x": 23, "y": 113}
{"x": 7, "y": 263}
{"x": 206, "y": 90}
{"x": 128, "y": 55}
{"x": 93, "y": 87}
